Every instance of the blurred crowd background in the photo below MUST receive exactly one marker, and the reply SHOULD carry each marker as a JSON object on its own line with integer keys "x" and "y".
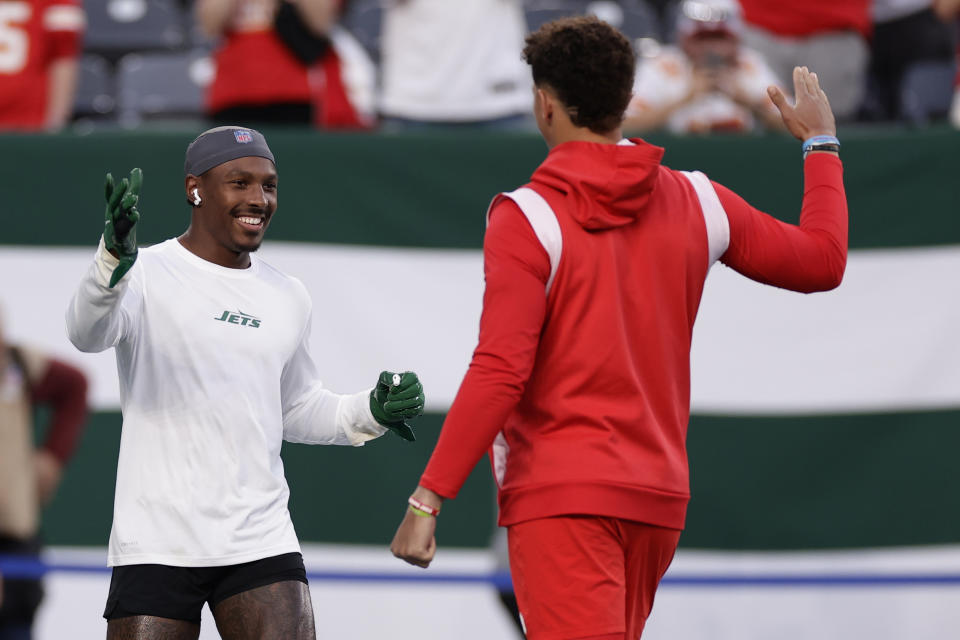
{"x": 703, "y": 65}
{"x": 823, "y": 435}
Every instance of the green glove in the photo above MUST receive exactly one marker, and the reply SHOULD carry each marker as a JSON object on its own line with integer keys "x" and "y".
{"x": 119, "y": 234}
{"x": 396, "y": 397}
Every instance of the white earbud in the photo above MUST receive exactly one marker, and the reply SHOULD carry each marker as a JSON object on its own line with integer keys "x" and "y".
{"x": 196, "y": 197}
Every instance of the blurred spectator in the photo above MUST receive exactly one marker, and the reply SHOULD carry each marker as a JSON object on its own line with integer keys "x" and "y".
{"x": 710, "y": 82}
{"x": 29, "y": 476}
{"x": 946, "y": 10}
{"x": 447, "y": 62}
{"x": 905, "y": 32}
{"x": 286, "y": 62}
{"x": 949, "y": 10}
{"x": 39, "y": 43}
{"x": 955, "y": 107}
{"x": 828, "y": 36}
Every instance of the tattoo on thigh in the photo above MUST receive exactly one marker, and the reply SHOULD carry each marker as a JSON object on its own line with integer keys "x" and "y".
{"x": 151, "y": 628}
{"x": 279, "y": 610}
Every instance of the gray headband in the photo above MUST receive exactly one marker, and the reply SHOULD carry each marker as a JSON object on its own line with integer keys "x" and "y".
{"x": 224, "y": 144}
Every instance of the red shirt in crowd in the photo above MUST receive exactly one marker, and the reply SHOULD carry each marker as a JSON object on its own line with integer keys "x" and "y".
{"x": 255, "y": 68}
{"x": 584, "y": 389}
{"x": 33, "y": 35}
{"x": 63, "y": 388}
{"x": 800, "y": 18}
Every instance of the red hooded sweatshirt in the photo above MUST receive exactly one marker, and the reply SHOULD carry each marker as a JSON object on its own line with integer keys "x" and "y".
{"x": 580, "y": 383}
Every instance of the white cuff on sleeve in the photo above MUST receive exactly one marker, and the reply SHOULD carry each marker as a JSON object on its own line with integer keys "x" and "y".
{"x": 355, "y": 419}
{"x": 105, "y": 263}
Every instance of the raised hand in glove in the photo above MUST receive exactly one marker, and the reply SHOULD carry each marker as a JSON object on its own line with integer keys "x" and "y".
{"x": 119, "y": 233}
{"x": 396, "y": 397}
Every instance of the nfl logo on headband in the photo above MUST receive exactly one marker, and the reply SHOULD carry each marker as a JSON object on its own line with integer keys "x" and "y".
{"x": 216, "y": 146}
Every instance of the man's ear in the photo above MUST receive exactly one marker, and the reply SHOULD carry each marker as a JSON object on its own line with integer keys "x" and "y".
{"x": 191, "y": 184}
{"x": 546, "y": 105}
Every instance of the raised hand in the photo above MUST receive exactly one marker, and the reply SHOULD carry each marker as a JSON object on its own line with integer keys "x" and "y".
{"x": 121, "y": 217}
{"x": 811, "y": 115}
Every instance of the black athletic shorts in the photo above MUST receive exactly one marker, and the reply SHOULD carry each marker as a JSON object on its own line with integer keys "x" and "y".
{"x": 179, "y": 592}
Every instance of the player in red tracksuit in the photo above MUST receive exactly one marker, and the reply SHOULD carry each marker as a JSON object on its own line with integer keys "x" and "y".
{"x": 580, "y": 384}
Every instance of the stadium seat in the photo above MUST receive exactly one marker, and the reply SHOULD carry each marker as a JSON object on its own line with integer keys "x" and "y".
{"x": 363, "y": 19}
{"x": 94, "y": 99}
{"x": 640, "y": 20}
{"x": 116, "y": 27}
{"x": 634, "y": 17}
{"x": 668, "y": 13}
{"x": 540, "y": 12}
{"x": 162, "y": 86}
{"x": 926, "y": 92}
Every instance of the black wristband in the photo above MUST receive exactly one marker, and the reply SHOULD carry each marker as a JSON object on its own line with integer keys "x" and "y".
{"x": 820, "y": 143}
{"x": 822, "y": 147}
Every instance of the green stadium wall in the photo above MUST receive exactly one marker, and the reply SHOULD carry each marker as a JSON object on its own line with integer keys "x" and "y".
{"x": 761, "y": 478}
{"x": 757, "y": 483}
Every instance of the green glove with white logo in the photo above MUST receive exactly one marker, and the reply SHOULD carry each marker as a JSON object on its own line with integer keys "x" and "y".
{"x": 396, "y": 397}
{"x": 119, "y": 233}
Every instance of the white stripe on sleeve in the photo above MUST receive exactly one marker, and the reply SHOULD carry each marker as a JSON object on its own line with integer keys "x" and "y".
{"x": 501, "y": 451}
{"x": 718, "y": 227}
{"x": 544, "y": 222}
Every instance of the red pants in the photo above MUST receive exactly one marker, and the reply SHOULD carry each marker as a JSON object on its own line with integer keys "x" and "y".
{"x": 587, "y": 577}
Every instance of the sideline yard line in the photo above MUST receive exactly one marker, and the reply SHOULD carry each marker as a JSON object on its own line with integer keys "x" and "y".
{"x": 20, "y": 567}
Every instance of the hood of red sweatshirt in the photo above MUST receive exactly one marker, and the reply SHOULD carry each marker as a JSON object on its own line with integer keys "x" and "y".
{"x": 605, "y": 185}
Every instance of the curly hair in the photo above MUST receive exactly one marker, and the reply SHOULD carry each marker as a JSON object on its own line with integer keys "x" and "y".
{"x": 589, "y": 64}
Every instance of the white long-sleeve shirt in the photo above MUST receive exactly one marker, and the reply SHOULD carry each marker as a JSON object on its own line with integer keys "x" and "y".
{"x": 215, "y": 372}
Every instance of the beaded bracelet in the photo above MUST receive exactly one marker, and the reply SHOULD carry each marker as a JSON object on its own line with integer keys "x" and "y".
{"x": 422, "y": 508}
